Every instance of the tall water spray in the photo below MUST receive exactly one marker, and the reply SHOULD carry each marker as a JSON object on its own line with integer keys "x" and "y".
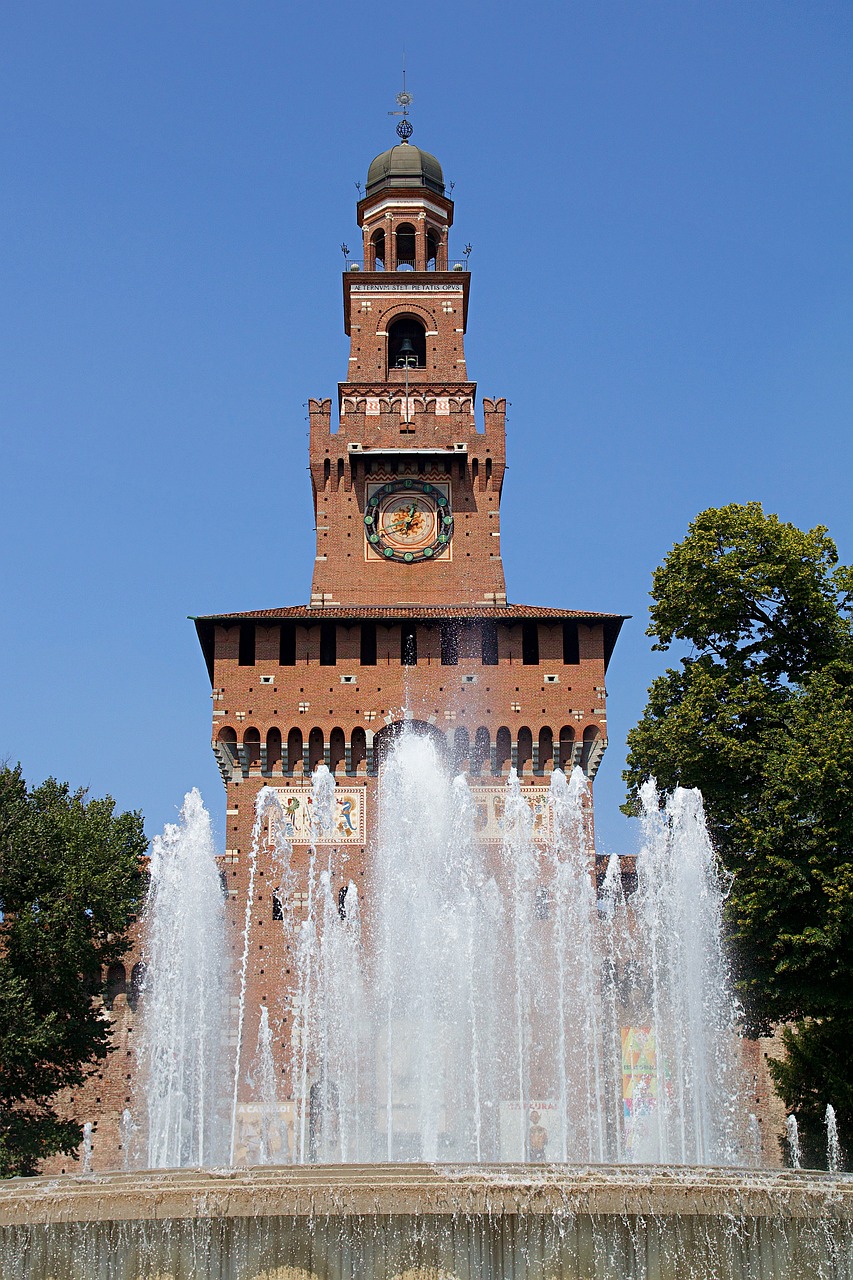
{"x": 833, "y": 1146}
{"x": 684, "y": 989}
{"x": 183, "y": 1040}
{"x": 494, "y": 1013}
{"x": 491, "y": 1005}
{"x": 792, "y": 1137}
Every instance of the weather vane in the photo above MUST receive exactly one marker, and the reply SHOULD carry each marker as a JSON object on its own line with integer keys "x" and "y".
{"x": 403, "y": 100}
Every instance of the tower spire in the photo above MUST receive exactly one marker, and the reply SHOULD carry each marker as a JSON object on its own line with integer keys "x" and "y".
{"x": 404, "y": 101}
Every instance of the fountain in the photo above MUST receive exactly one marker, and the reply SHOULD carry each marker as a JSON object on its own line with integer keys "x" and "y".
{"x": 498, "y": 1071}
{"x": 792, "y": 1137}
{"x": 833, "y": 1146}
{"x": 185, "y": 996}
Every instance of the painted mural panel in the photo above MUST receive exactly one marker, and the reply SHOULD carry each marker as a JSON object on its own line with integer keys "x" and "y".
{"x": 347, "y": 822}
{"x": 490, "y": 803}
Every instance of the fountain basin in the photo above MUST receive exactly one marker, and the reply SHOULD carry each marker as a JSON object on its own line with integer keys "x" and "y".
{"x": 429, "y": 1222}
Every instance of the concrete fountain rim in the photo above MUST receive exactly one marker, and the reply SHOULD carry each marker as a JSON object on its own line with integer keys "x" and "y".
{"x": 380, "y": 1190}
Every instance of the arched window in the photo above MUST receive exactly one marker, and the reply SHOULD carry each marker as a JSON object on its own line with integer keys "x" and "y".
{"x": 590, "y": 735}
{"x": 227, "y": 738}
{"x": 337, "y": 750}
{"x": 116, "y": 984}
{"x": 294, "y": 751}
{"x": 406, "y": 343}
{"x": 252, "y": 743}
{"x": 546, "y": 750}
{"x": 137, "y": 984}
{"x": 503, "y": 745}
{"x": 461, "y": 749}
{"x": 480, "y": 754}
{"x": 432, "y": 243}
{"x": 377, "y": 245}
{"x": 359, "y": 750}
{"x": 406, "y": 239}
{"x": 315, "y": 749}
{"x": 273, "y": 749}
{"x": 525, "y": 750}
{"x": 567, "y": 746}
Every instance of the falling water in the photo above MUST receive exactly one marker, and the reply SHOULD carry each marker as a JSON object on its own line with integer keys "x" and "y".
{"x": 261, "y": 802}
{"x": 87, "y": 1147}
{"x": 185, "y": 1006}
{"x": 126, "y": 1129}
{"x": 577, "y": 947}
{"x": 500, "y": 1004}
{"x": 792, "y": 1135}
{"x": 694, "y": 1115}
{"x": 490, "y": 1006}
{"x": 307, "y": 999}
{"x": 262, "y": 1081}
{"x": 833, "y": 1147}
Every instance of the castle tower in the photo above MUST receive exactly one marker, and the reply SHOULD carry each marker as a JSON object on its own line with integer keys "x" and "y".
{"x": 408, "y": 620}
{"x": 407, "y": 437}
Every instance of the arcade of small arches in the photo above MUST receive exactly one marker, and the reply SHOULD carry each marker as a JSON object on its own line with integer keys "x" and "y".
{"x": 360, "y": 751}
{"x": 403, "y": 246}
{"x": 394, "y": 403}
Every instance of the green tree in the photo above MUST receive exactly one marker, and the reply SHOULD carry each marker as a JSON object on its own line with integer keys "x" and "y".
{"x": 70, "y": 885}
{"x": 759, "y": 716}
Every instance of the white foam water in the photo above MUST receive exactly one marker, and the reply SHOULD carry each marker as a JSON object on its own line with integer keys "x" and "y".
{"x": 184, "y": 997}
{"x": 494, "y": 1004}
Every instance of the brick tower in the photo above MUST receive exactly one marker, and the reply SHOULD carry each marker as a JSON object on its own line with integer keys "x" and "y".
{"x": 408, "y": 619}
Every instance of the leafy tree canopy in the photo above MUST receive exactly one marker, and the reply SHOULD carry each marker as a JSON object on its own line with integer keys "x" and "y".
{"x": 759, "y": 716}
{"x": 757, "y": 595}
{"x": 70, "y": 885}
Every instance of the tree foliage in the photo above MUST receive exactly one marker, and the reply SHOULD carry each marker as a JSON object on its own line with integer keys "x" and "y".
{"x": 70, "y": 885}
{"x": 759, "y": 716}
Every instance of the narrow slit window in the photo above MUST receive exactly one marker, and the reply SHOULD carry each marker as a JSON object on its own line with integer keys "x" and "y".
{"x": 246, "y": 657}
{"x": 328, "y": 644}
{"x": 368, "y": 644}
{"x": 571, "y": 646}
{"x": 490, "y": 644}
{"x": 409, "y": 644}
{"x": 449, "y": 644}
{"x": 287, "y": 645}
{"x": 530, "y": 644}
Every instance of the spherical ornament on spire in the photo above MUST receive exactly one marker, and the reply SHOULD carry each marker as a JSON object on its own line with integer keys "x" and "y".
{"x": 405, "y": 130}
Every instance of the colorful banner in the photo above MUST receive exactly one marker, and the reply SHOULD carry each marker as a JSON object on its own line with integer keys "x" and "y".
{"x": 639, "y": 1072}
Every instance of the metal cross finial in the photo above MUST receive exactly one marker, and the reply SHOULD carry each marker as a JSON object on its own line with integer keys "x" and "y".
{"x": 403, "y": 100}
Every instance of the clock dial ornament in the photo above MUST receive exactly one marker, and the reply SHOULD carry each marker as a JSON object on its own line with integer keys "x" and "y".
{"x": 408, "y": 521}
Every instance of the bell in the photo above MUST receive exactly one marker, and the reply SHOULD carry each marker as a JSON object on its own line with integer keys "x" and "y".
{"x": 406, "y": 355}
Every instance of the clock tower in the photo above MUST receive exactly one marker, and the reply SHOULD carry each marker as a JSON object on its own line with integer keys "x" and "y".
{"x": 408, "y": 621}
{"x": 406, "y": 487}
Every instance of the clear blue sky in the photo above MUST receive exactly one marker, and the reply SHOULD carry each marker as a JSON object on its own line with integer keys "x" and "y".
{"x": 659, "y": 199}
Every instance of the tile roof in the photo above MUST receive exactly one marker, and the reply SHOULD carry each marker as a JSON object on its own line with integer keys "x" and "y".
{"x": 329, "y": 612}
{"x": 205, "y": 626}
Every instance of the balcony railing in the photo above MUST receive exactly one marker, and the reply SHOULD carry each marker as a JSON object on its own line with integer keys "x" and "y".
{"x": 456, "y": 264}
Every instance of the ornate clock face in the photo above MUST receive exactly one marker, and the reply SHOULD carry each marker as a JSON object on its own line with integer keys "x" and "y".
{"x": 408, "y": 520}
